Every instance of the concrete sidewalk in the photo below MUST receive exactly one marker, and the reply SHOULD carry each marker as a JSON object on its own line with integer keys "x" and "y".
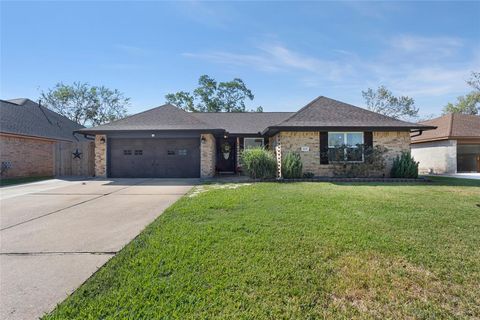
{"x": 473, "y": 175}
{"x": 55, "y": 234}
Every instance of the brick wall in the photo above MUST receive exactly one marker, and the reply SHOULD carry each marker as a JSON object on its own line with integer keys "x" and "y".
{"x": 207, "y": 156}
{"x": 395, "y": 142}
{"x": 100, "y": 156}
{"x": 29, "y": 157}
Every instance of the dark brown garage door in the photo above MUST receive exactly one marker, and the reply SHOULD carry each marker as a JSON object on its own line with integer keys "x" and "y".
{"x": 154, "y": 158}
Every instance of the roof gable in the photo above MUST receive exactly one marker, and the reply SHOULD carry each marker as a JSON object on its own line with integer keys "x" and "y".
{"x": 451, "y": 126}
{"x": 320, "y": 114}
{"x": 326, "y": 112}
{"x": 166, "y": 117}
{"x": 25, "y": 117}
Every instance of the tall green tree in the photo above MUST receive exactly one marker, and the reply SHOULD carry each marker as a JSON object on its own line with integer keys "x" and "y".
{"x": 85, "y": 104}
{"x": 383, "y": 101}
{"x": 213, "y": 96}
{"x": 469, "y": 103}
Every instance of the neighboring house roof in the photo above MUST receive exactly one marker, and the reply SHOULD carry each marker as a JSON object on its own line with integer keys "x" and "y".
{"x": 320, "y": 114}
{"x": 243, "y": 122}
{"x": 451, "y": 126}
{"x": 166, "y": 117}
{"x": 28, "y": 118}
{"x": 329, "y": 114}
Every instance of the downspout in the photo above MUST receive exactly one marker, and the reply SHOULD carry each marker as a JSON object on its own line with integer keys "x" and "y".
{"x": 419, "y": 133}
{"x": 86, "y": 136}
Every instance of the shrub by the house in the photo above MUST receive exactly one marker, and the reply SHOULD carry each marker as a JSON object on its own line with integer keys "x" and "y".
{"x": 404, "y": 166}
{"x": 308, "y": 175}
{"x": 292, "y": 166}
{"x": 259, "y": 163}
{"x": 373, "y": 165}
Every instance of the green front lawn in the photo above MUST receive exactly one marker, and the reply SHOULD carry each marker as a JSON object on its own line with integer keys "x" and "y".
{"x": 298, "y": 251}
{"x": 15, "y": 181}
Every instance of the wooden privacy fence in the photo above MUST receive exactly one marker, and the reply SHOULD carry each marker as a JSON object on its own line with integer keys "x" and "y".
{"x": 74, "y": 158}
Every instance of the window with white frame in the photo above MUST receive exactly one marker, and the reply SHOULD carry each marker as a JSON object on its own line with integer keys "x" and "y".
{"x": 345, "y": 146}
{"x": 249, "y": 143}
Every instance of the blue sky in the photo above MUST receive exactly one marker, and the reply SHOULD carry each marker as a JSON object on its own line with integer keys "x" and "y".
{"x": 288, "y": 53}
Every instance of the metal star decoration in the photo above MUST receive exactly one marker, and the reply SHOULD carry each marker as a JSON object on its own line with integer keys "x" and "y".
{"x": 76, "y": 154}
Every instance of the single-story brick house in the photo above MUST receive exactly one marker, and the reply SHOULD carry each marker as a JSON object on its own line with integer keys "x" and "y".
{"x": 454, "y": 146}
{"x": 35, "y": 141}
{"x": 169, "y": 142}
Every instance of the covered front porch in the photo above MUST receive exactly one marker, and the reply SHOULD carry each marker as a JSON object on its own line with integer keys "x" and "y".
{"x": 228, "y": 150}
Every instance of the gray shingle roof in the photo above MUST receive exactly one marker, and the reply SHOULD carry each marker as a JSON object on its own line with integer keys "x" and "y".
{"x": 25, "y": 117}
{"x": 327, "y": 113}
{"x": 243, "y": 122}
{"x": 166, "y": 117}
{"x": 320, "y": 113}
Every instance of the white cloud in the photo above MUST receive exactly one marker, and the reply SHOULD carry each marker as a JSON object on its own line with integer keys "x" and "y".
{"x": 407, "y": 64}
{"x": 425, "y": 80}
{"x": 275, "y": 57}
{"x": 438, "y": 47}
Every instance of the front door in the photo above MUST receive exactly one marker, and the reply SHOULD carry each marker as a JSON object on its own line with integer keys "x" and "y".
{"x": 226, "y": 155}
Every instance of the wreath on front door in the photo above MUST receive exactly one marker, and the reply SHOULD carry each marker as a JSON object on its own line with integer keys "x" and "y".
{"x": 226, "y": 148}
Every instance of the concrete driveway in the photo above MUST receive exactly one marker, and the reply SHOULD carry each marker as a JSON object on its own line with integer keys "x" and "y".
{"x": 56, "y": 234}
{"x": 472, "y": 175}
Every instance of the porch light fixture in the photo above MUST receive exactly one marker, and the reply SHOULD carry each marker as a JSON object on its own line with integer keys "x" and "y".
{"x": 102, "y": 139}
{"x": 203, "y": 139}
{"x": 153, "y": 135}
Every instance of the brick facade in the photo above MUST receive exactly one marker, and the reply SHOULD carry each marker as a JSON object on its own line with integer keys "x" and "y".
{"x": 29, "y": 157}
{"x": 395, "y": 142}
{"x": 100, "y": 156}
{"x": 207, "y": 156}
{"x": 284, "y": 142}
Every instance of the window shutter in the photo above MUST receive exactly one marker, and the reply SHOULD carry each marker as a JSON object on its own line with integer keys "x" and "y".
{"x": 323, "y": 147}
{"x": 368, "y": 144}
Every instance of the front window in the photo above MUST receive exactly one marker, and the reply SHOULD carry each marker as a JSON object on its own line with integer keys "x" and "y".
{"x": 249, "y": 143}
{"x": 345, "y": 146}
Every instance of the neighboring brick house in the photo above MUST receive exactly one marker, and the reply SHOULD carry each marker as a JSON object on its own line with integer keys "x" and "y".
{"x": 454, "y": 146}
{"x": 35, "y": 141}
{"x": 169, "y": 142}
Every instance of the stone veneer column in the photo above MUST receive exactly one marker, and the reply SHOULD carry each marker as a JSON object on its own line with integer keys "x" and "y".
{"x": 101, "y": 156}
{"x": 207, "y": 155}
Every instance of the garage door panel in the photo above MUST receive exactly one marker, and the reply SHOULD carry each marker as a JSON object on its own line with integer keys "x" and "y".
{"x": 158, "y": 158}
{"x": 131, "y": 158}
